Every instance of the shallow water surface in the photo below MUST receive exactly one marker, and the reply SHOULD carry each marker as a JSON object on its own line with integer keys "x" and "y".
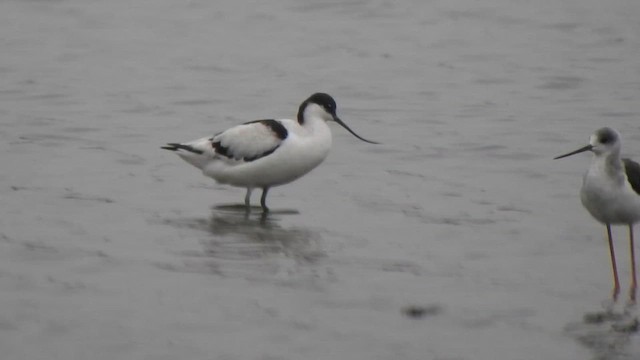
{"x": 457, "y": 238}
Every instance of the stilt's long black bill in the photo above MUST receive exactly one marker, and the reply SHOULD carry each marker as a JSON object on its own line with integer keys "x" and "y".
{"x": 582, "y": 149}
{"x": 336, "y": 119}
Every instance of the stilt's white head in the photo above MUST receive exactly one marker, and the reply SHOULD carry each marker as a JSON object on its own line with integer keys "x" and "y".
{"x": 603, "y": 142}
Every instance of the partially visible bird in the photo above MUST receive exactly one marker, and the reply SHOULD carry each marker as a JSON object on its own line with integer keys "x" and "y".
{"x": 266, "y": 153}
{"x": 611, "y": 193}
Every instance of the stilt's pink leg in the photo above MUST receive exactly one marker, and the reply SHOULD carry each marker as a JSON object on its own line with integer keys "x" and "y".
{"x": 616, "y": 283}
{"x": 632, "y": 291}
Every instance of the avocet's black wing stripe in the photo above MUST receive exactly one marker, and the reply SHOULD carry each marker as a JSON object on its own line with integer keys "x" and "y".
{"x": 632, "y": 169}
{"x": 250, "y": 141}
{"x": 276, "y": 126}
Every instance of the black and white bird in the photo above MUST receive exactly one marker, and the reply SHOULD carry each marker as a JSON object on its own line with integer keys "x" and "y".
{"x": 266, "y": 153}
{"x": 611, "y": 193}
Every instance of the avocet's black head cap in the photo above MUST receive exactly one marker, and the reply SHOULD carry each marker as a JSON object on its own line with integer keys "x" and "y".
{"x": 321, "y": 99}
{"x": 329, "y": 105}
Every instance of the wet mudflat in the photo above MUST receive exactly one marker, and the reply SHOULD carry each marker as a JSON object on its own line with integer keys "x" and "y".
{"x": 457, "y": 238}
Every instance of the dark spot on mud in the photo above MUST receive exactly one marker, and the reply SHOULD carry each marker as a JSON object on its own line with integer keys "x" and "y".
{"x": 421, "y": 311}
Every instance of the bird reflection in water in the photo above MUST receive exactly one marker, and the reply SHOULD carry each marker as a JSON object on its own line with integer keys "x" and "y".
{"x": 253, "y": 246}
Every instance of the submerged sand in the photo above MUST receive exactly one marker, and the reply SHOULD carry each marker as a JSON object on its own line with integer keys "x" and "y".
{"x": 458, "y": 238}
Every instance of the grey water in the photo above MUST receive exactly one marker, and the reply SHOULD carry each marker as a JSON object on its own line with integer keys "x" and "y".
{"x": 457, "y": 238}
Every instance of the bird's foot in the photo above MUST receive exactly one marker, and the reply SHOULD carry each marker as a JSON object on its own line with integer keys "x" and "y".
{"x": 615, "y": 292}
{"x": 632, "y": 295}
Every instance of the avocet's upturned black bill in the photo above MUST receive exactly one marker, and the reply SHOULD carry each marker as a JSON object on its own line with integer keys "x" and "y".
{"x": 267, "y": 153}
{"x": 611, "y": 193}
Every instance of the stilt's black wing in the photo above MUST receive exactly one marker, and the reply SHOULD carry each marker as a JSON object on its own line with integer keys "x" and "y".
{"x": 632, "y": 169}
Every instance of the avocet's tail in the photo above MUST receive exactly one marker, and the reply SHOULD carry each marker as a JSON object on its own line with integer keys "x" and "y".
{"x": 176, "y": 147}
{"x": 197, "y": 153}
